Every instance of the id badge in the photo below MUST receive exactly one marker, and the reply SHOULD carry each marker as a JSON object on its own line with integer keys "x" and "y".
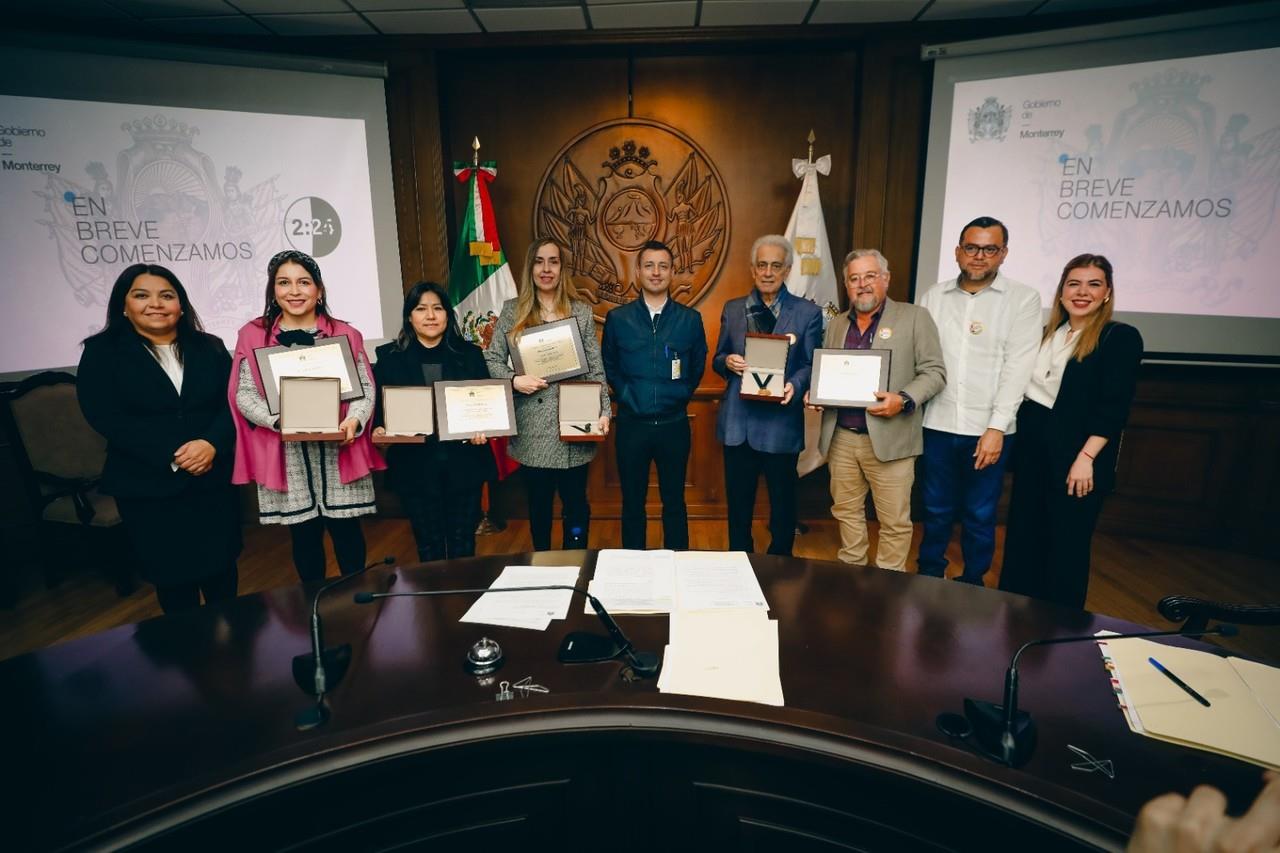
{"x": 675, "y": 368}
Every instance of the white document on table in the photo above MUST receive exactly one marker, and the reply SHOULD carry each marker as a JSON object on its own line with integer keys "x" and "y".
{"x": 708, "y": 580}
{"x": 629, "y": 581}
{"x": 723, "y": 654}
{"x": 533, "y": 610}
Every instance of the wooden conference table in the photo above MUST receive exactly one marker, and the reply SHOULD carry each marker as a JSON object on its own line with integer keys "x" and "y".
{"x": 178, "y": 733}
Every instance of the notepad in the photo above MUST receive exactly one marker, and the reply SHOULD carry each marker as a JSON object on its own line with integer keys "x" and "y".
{"x": 1243, "y": 717}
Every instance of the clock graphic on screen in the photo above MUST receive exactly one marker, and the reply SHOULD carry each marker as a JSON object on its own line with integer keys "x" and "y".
{"x": 311, "y": 225}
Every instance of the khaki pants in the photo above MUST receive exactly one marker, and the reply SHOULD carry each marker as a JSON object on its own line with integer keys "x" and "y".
{"x": 854, "y": 468}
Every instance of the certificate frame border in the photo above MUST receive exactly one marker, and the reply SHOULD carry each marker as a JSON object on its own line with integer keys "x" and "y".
{"x": 517, "y": 361}
{"x": 885, "y": 356}
{"x": 442, "y": 411}
{"x": 262, "y": 355}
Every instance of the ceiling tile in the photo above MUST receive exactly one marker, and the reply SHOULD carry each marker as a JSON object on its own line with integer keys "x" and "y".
{"x": 742, "y": 13}
{"x": 949, "y": 10}
{"x": 173, "y": 8}
{"x": 317, "y": 25}
{"x": 425, "y": 21}
{"x": 638, "y": 15}
{"x": 74, "y": 8}
{"x": 230, "y": 25}
{"x": 1059, "y": 6}
{"x": 404, "y": 5}
{"x": 254, "y": 7}
{"x": 518, "y": 20}
{"x": 865, "y": 11}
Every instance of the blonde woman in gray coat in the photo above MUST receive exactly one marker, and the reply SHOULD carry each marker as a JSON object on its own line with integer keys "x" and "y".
{"x": 550, "y": 465}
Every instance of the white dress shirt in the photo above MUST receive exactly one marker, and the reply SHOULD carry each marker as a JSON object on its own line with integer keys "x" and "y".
{"x": 1051, "y": 361}
{"x": 169, "y": 362}
{"x": 989, "y": 343}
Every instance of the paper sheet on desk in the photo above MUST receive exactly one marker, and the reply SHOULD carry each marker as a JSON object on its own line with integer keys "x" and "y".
{"x": 723, "y": 654}
{"x": 532, "y": 610}
{"x": 1237, "y": 722}
{"x": 633, "y": 581}
{"x": 708, "y": 580}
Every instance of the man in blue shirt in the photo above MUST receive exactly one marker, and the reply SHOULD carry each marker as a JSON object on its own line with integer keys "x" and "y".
{"x": 655, "y": 351}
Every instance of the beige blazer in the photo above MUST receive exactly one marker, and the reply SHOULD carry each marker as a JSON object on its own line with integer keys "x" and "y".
{"x": 915, "y": 366}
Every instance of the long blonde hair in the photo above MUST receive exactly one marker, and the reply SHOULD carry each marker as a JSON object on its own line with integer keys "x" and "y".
{"x": 528, "y": 309}
{"x": 1087, "y": 339}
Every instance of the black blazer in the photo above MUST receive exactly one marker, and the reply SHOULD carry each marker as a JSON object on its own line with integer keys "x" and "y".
{"x": 127, "y": 397}
{"x": 411, "y": 462}
{"x": 1094, "y": 399}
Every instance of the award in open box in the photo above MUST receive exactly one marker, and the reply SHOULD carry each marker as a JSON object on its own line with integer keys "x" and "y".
{"x": 765, "y": 374}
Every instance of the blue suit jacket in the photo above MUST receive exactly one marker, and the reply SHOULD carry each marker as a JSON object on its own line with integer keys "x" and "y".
{"x": 767, "y": 427}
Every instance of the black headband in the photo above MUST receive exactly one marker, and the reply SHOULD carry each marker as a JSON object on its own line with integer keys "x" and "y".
{"x": 293, "y": 256}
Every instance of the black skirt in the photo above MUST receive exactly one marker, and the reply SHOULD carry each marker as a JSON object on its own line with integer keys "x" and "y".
{"x": 183, "y": 538}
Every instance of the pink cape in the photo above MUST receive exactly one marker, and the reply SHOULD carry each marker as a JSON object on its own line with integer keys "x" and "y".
{"x": 259, "y": 451}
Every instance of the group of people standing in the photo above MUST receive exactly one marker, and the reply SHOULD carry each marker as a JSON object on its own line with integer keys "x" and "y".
{"x": 185, "y": 420}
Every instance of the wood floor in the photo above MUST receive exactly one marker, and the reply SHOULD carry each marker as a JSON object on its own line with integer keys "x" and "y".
{"x": 1129, "y": 577}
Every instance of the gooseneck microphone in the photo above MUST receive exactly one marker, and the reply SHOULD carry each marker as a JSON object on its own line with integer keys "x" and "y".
{"x": 1008, "y": 735}
{"x": 317, "y": 672}
{"x": 578, "y": 646}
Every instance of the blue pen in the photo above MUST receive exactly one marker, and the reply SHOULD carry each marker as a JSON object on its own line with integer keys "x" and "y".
{"x": 1178, "y": 681}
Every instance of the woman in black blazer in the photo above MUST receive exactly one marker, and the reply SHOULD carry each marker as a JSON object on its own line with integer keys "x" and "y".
{"x": 439, "y": 482}
{"x": 1069, "y": 427}
{"x": 155, "y": 386}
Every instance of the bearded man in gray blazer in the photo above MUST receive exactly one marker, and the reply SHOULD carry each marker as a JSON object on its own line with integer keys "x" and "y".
{"x": 876, "y": 447}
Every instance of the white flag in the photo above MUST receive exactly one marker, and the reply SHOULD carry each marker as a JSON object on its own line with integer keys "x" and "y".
{"x": 813, "y": 276}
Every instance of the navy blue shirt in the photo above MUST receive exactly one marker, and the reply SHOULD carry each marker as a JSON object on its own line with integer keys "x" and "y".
{"x": 638, "y": 356}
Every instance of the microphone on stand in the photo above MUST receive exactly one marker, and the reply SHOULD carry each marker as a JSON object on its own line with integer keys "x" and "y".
{"x": 1008, "y": 735}
{"x": 578, "y": 646}
{"x": 322, "y": 669}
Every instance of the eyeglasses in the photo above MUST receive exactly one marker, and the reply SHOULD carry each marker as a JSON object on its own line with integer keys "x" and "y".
{"x": 766, "y": 266}
{"x": 973, "y": 250}
{"x": 870, "y": 278}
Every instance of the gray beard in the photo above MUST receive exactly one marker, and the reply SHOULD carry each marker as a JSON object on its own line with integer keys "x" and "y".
{"x": 865, "y": 306}
{"x": 989, "y": 277}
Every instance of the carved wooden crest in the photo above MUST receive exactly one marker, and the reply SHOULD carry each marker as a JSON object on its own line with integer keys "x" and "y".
{"x": 620, "y": 184}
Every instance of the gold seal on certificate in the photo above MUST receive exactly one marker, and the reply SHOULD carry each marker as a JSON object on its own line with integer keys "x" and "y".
{"x": 469, "y": 406}
{"x": 765, "y": 376}
{"x": 408, "y": 414}
{"x": 551, "y": 351}
{"x": 329, "y": 357}
{"x": 848, "y": 378}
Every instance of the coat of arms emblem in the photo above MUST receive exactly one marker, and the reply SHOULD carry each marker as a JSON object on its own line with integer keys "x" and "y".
{"x": 989, "y": 122}
{"x": 652, "y": 182}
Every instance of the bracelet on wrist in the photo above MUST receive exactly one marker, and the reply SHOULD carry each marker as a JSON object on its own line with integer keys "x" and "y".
{"x": 1087, "y": 456}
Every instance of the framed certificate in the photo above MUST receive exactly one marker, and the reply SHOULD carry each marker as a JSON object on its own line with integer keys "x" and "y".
{"x": 551, "y": 351}
{"x": 848, "y": 377}
{"x": 408, "y": 414}
{"x": 330, "y": 357}
{"x": 467, "y": 406}
{"x": 765, "y": 375}
{"x": 579, "y": 411}
{"x": 309, "y": 408}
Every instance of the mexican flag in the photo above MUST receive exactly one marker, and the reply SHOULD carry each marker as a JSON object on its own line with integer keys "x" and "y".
{"x": 479, "y": 278}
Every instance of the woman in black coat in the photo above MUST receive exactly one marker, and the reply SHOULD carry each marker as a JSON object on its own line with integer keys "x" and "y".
{"x": 439, "y": 482}
{"x": 1069, "y": 427}
{"x": 155, "y": 386}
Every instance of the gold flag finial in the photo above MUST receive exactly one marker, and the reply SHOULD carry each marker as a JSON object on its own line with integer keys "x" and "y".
{"x": 475, "y": 151}
{"x": 812, "y": 139}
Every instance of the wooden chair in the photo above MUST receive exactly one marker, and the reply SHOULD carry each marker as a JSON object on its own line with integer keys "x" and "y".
{"x": 60, "y": 459}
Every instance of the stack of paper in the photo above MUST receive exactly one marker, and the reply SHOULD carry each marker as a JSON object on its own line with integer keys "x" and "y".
{"x": 723, "y": 654}
{"x": 666, "y": 581}
{"x": 532, "y": 610}
{"x": 1243, "y": 717}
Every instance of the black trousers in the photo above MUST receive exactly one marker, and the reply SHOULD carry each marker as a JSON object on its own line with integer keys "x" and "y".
{"x": 443, "y": 519}
{"x": 743, "y": 466}
{"x": 665, "y": 445}
{"x": 541, "y": 486}
{"x": 308, "y": 546}
{"x": 175, "y": 598}
{"x": 1046, "y": 550}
